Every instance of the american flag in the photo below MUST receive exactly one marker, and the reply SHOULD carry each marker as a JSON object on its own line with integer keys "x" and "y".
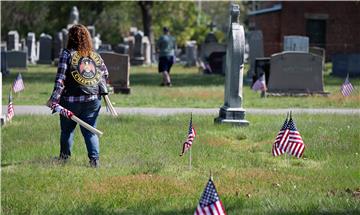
{"x": 295, "y": 144}
{"x": 190, "y": 138}
{"x": 63, "y": 111}
{"x": 210, "y": 202}
{"x": 260, "y": 84}
{"x": 346, "y": 87}
{"x": 18, "y": 84}
{"x": 10, "y": 110}
{"x": 281, "y": 139}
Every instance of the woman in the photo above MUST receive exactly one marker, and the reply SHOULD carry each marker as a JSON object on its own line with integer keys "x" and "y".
{"x": 79, "y": 84}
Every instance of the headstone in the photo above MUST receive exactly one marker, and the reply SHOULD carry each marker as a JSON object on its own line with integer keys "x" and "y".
{"x": 318, "y": 51}
{"x": 138, "y": 47}
{"x": 118, "y": 66}
{"x": 256, "y": 46}
{"x": 130, "y": 41}
{"x": 65, "y": 33}
{"x": 216, "y": 61}
{"x": 105, "y": 48}
{"x": 91, "y": 29}
{"x": 16, "y": 59}
{"x": 23, "y": 46}
{"x": 296, "y": 43}
{"x": 295, "y": 72}
{"x": 232, "y": 111}
{"x": 74, "y": 17}
{"x": 4, "y": 65}
{"x": 121, "y": 49}
{"x": 191, "y": 53}
{"x": 31, "y": 44}
{"x": 45, "y": 56}
{"x": 97, "y": 42}
{"x": 58, "y": 44}
{"x": 13, "y": 41}
{"x": 133, "y": 31}
{"x": 146, "y": 50}
{"x": 344, "y": 64}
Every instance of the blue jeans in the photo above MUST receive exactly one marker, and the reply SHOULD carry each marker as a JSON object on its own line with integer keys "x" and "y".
{"x": 88, "y": 112}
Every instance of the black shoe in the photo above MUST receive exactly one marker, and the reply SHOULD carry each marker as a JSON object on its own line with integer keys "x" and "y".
{"x": 94, "y": 163}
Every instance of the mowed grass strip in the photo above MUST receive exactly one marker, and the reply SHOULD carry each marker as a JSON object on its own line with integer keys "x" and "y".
{"x": 141, "y": 171}
{"x": 190, "y": 89}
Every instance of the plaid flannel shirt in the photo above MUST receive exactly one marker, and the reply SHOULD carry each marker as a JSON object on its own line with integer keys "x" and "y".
{"x": 64, "y": 63}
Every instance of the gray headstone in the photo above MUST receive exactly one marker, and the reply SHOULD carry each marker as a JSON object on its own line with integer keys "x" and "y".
{"x": 295, "y": 72}
{"x": 256, "y": 46}
{"x": 105, "y": 48}
{"x": 146, "y": 50}
{"x": 16, "y": 59}
{"x": 74, "y": 16}
{"x": 232, "y": 111}
{"x": 191, "y": 53}
{"x": 58, "y": 44}
{"x": 4, "y": 64}
{"x": 121, "y": 49}
{"x": 296, "y": 43}
{"x": 91, "y": 29}
{"x": 118, "y": 66}
{"x": 45, "y": 56}
{"x": 344, "y": 64}
{"x": 31, "y": 44}
{"x": 65, "y": 33}
{"x": 138, "y": 46}
{"x": 13, "y": 41}
{"x": 211, "y": 38}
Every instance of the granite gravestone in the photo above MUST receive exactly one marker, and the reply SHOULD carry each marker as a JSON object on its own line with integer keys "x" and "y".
{"x": 13, "y": 41}
{"x": 232, "y": 111}
{"x": 191, "y": 53}
{"x": 296, "y": 43}
{"x": 318, "y": 51}
{"x": 31, "y": 44}
{"x": 58, "y": 44}
{"x": 74, "y": 17}
{"x": 16, "y": 59}
{"x": 344, "y": 64}
{"x": 121, "y": 48}
{"x": 295, "y": 72}
{"x": 65, "y": 33}
{"x": 256, "y": 49}
{"x": 91, "y": 29}
{"x": 45, "y": 55}
{"x": 146, "y": 50}
{"x": 118, "y": 66}
{"x": 138, "y": 51}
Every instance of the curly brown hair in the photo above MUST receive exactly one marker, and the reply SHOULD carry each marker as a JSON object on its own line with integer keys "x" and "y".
{"x": 80, "y": 40}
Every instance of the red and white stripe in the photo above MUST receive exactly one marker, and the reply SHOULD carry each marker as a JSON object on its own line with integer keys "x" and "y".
{"x": 216, "y": 208}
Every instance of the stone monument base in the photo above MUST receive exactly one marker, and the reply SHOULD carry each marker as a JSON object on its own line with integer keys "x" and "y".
{"x": 234, "y": 116}
{"x": 121, "y": 89}
{"x": 2, "y": 120}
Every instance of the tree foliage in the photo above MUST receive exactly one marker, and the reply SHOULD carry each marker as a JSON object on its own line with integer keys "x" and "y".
{"x": 114, "y": 19}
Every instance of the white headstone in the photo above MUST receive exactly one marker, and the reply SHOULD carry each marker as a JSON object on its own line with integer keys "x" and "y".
{"x": 296, "y": 43}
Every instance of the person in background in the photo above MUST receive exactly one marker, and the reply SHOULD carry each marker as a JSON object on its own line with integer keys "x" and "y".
{"x": 79, "y": 84}
{"x": 166, "y": 46}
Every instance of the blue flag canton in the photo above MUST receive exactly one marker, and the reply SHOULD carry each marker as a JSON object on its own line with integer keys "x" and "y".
{"x": 190, "y": 126}
{"x": 291, "y": 125}
{"x": 210, "y": 195}
{"x": 284, "y": 125}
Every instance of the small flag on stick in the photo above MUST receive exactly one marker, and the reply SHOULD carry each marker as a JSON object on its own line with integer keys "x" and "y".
{"x": 210, "y": 202}
{"x": 18, "y": 84}
{"x": 288, "y": 140}
{"x": 10, "y": 110}
{"x": 346, "y": 88}
{"x": 260, "y": 84}
{"x": 190, "y": 138}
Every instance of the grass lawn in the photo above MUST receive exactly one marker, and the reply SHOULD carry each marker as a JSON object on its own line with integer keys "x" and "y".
{"x": 190, "y": 89}
{"x": 141, "y": 171}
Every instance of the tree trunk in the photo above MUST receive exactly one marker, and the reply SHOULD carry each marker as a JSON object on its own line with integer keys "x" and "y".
{"x": 146, "y": 12}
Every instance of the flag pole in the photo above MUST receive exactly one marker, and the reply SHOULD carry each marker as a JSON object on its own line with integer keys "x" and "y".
{"x": 190, "y": 158}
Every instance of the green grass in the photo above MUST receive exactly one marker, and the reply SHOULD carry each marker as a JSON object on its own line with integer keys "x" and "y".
{"x": 141, "y": 171}
{"x": 191, "y": 89}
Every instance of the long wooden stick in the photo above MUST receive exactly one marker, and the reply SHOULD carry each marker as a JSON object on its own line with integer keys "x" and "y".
{"x": 70, "y": 115}
{"x": 87, "y": 126}
{"x": 110, "y": 106}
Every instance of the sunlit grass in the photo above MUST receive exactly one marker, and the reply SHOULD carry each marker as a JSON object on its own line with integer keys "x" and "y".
{"x": 141, "y": 171}
{"x": 190, "y": 89}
